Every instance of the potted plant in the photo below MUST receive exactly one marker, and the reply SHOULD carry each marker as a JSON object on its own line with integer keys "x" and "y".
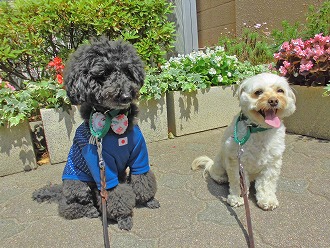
{"x": 306, "y": 64}
{"x": 17, "y": 107}
{"x": 198, "y": 89}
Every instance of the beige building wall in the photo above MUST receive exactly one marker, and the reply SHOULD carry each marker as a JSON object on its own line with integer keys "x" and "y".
{"x": 216, "y": 17}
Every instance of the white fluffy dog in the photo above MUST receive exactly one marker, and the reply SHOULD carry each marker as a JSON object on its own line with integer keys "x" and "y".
{"x": 265, "y": 99}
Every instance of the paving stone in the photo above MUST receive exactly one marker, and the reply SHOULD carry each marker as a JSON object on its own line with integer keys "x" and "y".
{"x": 192, "y": 213}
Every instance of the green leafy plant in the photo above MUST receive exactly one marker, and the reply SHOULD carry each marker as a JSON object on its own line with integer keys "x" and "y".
{"x": 19, "y": 105}
{"x": 197, "y": 70}
{"x": 288, "y": 32}
{"x": 327, "y": 90}
{"x": 318, "y": 20}
{"x": 252, "y": 45}
{"x": 34, "y": 32}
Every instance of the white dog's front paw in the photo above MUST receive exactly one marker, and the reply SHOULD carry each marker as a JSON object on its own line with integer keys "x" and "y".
{"x": 269, "y": 203}
{"x": 235, "y": 200}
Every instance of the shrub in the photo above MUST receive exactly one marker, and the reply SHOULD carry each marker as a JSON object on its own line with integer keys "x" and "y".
{"x": 34, "y": 32}
{"x": 305, "y": 62}
{"x": 19, "y": 105}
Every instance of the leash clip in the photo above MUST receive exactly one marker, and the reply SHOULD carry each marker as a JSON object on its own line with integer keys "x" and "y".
{"x": 99, "y": 152}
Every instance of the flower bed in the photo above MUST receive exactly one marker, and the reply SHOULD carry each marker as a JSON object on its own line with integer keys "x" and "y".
{"x": 305, "y": 62}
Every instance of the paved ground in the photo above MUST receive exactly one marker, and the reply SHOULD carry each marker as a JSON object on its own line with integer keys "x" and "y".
{"x": 192, "y": 212}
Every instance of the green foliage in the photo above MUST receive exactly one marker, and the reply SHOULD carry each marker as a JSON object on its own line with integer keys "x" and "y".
{"x": 33, "y": 32}
{"x": 246, "y": 69}
{"x": 318, "y": 20}
{"x": 250, "y": 45}
{"x": 287, "y": 33}
{"x": 197, "y": 70}
{"x": 19, "y": 105}
{"x": 327, "y": 90}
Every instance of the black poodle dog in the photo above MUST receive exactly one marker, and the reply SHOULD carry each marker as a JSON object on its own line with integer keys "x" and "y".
{"x": 105, "y": 77}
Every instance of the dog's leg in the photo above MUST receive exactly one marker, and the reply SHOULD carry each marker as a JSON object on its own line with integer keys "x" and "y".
{"x": 77, "y": 200}
{"x": 120, "y": 204}
{"x": 265, "y": 186}
{"x": 145, "y": 187}
{"x": 216, "y": 170}
{"x": 234, "y": 198}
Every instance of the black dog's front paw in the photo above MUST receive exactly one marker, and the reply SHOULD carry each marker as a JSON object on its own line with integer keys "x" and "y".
{"x": 153, "y": 203}
{"x": 125, "y": 223}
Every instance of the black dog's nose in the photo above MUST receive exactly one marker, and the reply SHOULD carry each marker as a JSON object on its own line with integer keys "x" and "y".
{"x": 125, "y": 98}
{"x": 273, "y": 101}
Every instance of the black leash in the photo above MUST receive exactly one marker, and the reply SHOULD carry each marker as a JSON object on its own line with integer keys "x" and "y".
{"x": 104, "y": 195}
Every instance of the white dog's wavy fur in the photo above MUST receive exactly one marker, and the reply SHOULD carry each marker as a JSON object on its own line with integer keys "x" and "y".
{"x": 262, "y": 157}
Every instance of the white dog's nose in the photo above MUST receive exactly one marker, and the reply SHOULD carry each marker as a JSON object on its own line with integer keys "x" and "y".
{"x": 273, "y": 101}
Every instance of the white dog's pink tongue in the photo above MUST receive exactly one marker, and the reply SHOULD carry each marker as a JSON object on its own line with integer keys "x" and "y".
{"x": 271, "y": 119}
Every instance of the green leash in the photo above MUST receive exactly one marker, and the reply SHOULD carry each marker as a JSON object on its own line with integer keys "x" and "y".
{"x": 250, "y": 129}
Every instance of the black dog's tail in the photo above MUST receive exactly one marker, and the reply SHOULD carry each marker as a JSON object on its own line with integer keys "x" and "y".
{"x": 49, "y": 193}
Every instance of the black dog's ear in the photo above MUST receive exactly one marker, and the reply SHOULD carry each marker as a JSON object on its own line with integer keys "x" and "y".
{"x": 75, "y": 76}
{"x": 137, "y": 71}
{"x": 75, "y": 88}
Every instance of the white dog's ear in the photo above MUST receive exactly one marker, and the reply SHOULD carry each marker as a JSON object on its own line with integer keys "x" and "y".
{"x": 240, "y": 88}
{"x": 289, "y": 89}
{"x": 291, "y": 94}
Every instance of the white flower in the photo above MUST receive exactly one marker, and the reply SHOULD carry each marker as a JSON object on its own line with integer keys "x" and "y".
{"x": 212, "y": 71}
{"x": 229, "y": 74}
{"x": 258, "y": 25}
{"x": 219, "y": 48}
{"x": 220, "y": 78}
{"x": 217, "y": 59}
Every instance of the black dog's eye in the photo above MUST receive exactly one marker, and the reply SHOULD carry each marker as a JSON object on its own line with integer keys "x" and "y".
{"x": 258, "y": 92}
{"x": 100, "y": 79}
{"x": 280, "y": 91}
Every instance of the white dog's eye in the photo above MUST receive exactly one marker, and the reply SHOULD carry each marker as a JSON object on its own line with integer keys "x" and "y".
{"x": 258, "y": 92}
{"x": 280, "y": 91}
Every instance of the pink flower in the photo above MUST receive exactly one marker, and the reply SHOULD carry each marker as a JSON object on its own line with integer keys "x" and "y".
{"x": 308, "y": 53}
{"x": 286, "y": 64}
{"x": 285, "y": 46}
{"x": 305, "y": 65}
{"x": 318, "y": 51}
{"x": 298, "y": 42}
{"x": 277, "y": 55}
{"x": 9, "y": 86}
{"x": 298, "y": 51}
{"x": 318, "y": 38}
{"x": 283, "y": 71}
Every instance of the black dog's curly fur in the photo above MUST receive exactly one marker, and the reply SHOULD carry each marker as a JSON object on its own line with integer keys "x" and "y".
{"x": 101, "y": 76}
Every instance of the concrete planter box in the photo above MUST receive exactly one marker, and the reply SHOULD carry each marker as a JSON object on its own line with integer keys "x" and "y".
{"x": 312, "y": 116}
{"x": 16, "y": 149}
{"x": 201, "y": 110}
{"x": 153, "y": 119}
{"x": 60, "y": 126}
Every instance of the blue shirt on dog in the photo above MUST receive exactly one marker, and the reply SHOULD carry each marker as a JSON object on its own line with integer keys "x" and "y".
{"x": 119, "y": 152}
